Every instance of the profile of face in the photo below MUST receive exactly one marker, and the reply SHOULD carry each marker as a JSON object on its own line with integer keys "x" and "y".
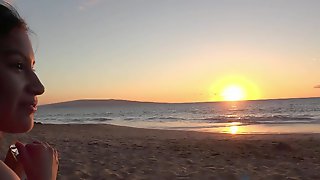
{"x": 19, "y": 85}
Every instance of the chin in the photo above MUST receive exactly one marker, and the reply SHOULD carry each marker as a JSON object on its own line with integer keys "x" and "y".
{"x": 23, "y": 125}
{"x": 27, "y": 125}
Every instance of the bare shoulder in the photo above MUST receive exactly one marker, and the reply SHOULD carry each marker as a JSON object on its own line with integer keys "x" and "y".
{"x": 6, "y": 172}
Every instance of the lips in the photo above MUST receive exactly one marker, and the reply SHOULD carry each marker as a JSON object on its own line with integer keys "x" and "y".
{"x": 30, "y": 106}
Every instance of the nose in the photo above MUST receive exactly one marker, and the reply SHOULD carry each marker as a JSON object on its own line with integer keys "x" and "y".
{"x": 35, "y": 87}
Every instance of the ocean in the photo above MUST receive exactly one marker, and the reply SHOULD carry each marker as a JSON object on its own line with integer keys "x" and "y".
{"x": 261, "y": 116}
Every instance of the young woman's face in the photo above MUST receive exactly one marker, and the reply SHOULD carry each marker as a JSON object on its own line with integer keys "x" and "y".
{"x": 19, "y": 85}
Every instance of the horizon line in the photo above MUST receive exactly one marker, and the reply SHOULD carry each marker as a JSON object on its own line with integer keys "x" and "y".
{"x": 194, "y": 102}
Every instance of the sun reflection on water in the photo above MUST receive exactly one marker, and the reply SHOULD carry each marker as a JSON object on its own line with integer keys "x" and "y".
{"x": 233, "y": 128}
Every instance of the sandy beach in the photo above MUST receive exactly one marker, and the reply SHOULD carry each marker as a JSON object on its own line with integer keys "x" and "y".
{"x": 113, "y": 152}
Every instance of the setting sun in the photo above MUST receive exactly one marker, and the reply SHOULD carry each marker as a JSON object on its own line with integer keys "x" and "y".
{"x": 233, "y": 93}
{"x": 234, "y": 88}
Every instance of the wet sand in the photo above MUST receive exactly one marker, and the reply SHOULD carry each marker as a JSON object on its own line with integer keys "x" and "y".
{"x": 114, "y": 152}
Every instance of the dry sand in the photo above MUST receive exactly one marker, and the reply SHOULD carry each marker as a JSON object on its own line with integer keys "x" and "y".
{"x": 113, "y": 152}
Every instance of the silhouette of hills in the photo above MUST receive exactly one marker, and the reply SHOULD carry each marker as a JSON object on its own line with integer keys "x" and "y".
{"x": 118, "y": 102}
{"x": 98, "y": 102}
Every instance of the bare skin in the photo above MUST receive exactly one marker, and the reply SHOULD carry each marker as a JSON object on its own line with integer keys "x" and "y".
{"x": 7, "y": 173}
{"x": 19, "y": 88}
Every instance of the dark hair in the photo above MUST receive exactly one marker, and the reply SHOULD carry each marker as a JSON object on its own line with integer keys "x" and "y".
{"x": 10, "y": 19}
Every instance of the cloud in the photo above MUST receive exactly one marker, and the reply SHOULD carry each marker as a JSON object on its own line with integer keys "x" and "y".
{"x": 85, "y": 4}
{"x": 317, "y": 86}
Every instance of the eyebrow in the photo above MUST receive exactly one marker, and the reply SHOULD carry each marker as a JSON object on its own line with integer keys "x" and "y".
{"x": 8, "y": 52}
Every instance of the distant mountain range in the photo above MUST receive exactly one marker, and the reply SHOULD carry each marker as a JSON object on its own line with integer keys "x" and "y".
{"x": 117, "y": 102}
{"x": 97, "y": 102}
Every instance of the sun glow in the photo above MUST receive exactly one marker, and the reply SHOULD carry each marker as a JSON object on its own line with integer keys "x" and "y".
{"x": 233, "y": 93}
{"x": 234, "y": 88}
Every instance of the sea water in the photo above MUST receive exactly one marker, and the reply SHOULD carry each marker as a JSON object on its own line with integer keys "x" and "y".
{"x": 262, "y": 116}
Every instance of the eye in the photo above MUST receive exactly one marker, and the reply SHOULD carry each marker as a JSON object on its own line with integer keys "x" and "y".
{"x": 20, "y": 66}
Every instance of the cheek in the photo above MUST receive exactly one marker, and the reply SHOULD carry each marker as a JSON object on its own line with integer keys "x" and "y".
{"x": 11, "y": 89}
{"x": 11, "y": 86}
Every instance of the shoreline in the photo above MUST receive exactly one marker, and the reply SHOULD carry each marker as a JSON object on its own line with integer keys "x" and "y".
{"x": 228, "y": 128}
{"x": 117, "y": 152}
{"x": 216, "y": 134}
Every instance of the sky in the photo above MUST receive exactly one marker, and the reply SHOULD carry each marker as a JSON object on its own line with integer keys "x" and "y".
{"x": 174, "y": 50}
